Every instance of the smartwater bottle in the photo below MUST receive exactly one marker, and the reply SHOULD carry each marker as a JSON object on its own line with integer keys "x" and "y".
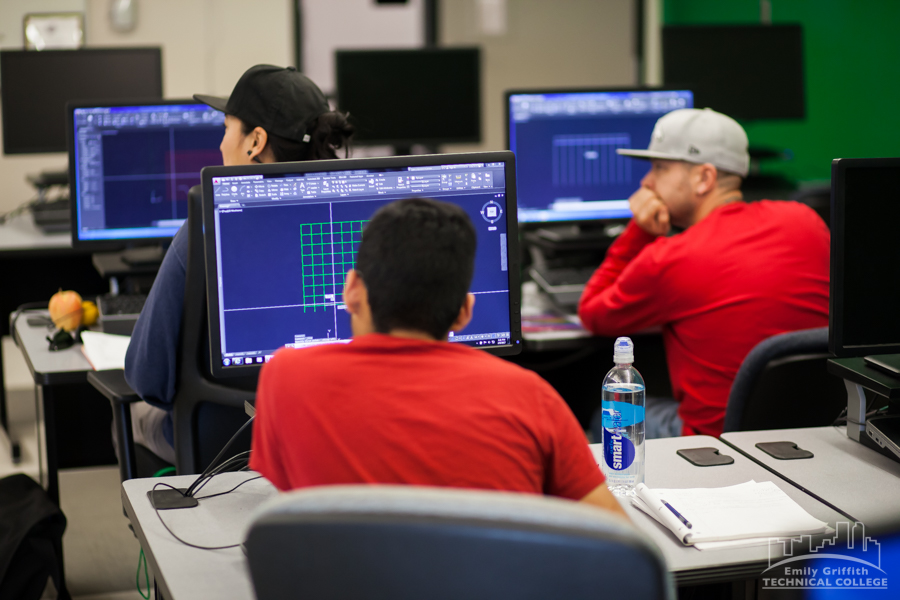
{"x": 623, "y": 422}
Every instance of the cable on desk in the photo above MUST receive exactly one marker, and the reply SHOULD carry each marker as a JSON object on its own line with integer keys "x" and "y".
{"x": 241, "y": 459}
{"x": 229, "y": 491}
{"x": 21, "y": 309}
{"x": 212, "y": 465}
{"x": 172, "y": 533}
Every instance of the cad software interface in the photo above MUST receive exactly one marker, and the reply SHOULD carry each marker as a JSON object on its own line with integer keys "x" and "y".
{"x": 135, "y": 165}
{"x": 565, "y": 146}
{"x": 285, "y": 243}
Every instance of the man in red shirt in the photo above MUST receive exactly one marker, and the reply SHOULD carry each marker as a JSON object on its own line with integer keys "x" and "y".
{"x": 399, "y": 404}
{"x": 737, "y": 274}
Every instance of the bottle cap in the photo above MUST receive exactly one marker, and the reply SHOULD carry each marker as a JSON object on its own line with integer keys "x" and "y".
{"x": 623, "y": 351}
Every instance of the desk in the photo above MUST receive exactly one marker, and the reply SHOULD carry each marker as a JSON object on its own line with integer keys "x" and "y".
{"x": 34, "y": 265}
{"x": 858, "y": 481}
{"x": 665, "y": 469}
{"x": 64, "y": 397}
{"x": 184, "y": 572}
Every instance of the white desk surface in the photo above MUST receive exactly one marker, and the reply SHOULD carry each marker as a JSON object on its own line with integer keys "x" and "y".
{"x": 185, "y": 572}
{"x": 855, "y": 479}
{"x": 48, "y": 368}
{"x": 21, "y": 234}
{"x": 665, "y": 469}
{"x": 191, "y": 573}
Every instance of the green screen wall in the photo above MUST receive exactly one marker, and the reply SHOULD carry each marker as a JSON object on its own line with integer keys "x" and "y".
{"x": 852, "y": 58}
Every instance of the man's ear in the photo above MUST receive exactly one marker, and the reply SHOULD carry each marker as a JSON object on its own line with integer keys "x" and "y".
{"x": 355, "y": 292}
{"x": 465, "y": 313}
{"x": 706, "y": 179}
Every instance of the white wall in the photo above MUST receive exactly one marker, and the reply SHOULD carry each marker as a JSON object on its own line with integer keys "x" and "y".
{"x": 558, "y": 43}
{"x": 206, "y": 45}
{"x": 330, "y": 25}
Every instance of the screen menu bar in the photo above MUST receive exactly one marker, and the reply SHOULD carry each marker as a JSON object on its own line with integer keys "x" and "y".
{"x": 527, "y": 106}
{"x": 415, "y": 180}
{"x": 157, "y": 116}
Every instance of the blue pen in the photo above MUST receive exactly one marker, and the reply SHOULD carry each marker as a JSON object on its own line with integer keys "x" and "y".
{"x": 678, "y": 514}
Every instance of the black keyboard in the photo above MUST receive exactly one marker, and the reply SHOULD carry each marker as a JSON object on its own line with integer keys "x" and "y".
{"x": 128, "y": 304}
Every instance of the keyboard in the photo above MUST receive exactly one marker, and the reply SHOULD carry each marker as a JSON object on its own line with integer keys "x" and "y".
{"x": 120, "y": 305}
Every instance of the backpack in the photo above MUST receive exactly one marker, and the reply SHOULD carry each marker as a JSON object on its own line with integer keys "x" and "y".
{"x": 31, "y": 530}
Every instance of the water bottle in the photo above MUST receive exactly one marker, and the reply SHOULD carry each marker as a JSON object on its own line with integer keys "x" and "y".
{"x": 622, "y": 410}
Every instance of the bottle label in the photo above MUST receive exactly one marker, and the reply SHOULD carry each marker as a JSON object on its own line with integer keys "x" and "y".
{"x": 620, "y": 414}
{"x": 618, "y": 449}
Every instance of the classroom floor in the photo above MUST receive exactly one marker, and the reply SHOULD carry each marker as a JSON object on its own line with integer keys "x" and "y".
{"x": 101, "y": 554}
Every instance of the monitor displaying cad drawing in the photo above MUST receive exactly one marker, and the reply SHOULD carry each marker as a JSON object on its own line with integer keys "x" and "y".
{"x": 565, "y": 145}
{"x": 280, "y": 239}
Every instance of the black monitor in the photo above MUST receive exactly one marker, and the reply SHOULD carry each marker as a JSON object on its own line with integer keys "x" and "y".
{"x": 36, "y": 86}
{"x": 743, "y": 71}
{"x": 281, "y": 237}
{"x": 131, "y": 166}
{"x": 405, "y": 97}
{"x": 865, "y": 257}
{"x": 565, "y": 144}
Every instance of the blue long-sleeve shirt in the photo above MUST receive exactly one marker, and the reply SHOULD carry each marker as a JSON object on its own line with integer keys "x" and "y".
{"x": 151, "y": 360}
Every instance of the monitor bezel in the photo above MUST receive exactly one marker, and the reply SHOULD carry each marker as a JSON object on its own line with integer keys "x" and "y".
{"x": 836, "y": 314}
{"x": 589, "y": 90}
{"x": 209, "y": 233}
{"x": 115, "y": 243}
{"x": 405, "y": 142}
{"x": 157, "y": 50}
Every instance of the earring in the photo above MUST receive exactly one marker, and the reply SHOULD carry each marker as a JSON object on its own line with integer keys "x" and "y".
{"x": 249, "y": 152}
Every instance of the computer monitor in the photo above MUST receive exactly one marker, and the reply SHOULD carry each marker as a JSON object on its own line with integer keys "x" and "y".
{"x": 565, "y": 144}
{"x": 131, "y": 166}
{"x": 865, "y": 257}
{"x": 281, "y": 237}
{"x": 404, "y": 97}
{"x": 35, "y": 87}
{"x": 743, "y": 71}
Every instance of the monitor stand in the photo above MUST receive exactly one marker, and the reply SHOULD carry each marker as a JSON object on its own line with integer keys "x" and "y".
{"x": 144, "y": 255}
{"x": 143, "y": 260}
{"x": 563, "y": 257}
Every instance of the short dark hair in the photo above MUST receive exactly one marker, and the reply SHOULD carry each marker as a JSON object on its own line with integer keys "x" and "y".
{"x": 328, "y": 133}
{"x": 416, "y": 260}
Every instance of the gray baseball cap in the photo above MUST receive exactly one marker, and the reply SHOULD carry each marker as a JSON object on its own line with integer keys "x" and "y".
{"x": 698, "y": 136}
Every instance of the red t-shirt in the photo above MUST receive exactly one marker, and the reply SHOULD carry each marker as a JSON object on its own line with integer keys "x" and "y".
{"x": 746, "y": 272}
{"x": 383, "y": 409}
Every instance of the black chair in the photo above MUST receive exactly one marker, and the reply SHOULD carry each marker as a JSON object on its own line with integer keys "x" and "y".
{"x": 405, "y": 542}
{"x": 206, "y": 413}
{"x": 817, "y": 198}
{"x": 784, "y": 383}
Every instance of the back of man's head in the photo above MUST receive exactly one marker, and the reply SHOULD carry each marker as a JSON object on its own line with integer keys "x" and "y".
{"x": 416, "y": 259}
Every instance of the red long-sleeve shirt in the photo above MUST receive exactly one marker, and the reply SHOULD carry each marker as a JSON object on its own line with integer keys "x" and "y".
{"x": 744, "y": 273}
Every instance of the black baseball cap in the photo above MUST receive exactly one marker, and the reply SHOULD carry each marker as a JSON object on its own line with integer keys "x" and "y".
{"x": 283, "y": 101}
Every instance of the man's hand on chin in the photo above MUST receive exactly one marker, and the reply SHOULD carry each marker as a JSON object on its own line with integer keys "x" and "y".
{"x": 649, "y": 212}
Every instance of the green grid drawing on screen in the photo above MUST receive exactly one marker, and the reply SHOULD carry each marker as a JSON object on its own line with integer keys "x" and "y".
{"x": 328, "y": 251}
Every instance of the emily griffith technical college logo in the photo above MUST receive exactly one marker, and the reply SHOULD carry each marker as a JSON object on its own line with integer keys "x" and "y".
{"x": 804, "y": 563}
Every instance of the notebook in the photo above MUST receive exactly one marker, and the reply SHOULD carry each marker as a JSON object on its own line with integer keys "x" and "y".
{"x": 747, "y": 514}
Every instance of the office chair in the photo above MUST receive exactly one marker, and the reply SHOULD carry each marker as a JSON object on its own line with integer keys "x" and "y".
{"x": 399, "y": 542}
{"x": 784, "y": 383}
{"x": 817, "y": 198}
{"x": 206, "y": 413}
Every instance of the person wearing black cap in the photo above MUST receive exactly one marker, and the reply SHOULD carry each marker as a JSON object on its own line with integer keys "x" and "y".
{"x": 274, "y": 114}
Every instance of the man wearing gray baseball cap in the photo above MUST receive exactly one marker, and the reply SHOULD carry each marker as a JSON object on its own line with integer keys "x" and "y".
{"x": 735, "y": 274}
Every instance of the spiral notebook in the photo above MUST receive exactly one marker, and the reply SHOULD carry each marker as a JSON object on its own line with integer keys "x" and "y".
{"x": 747, "y": 514}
